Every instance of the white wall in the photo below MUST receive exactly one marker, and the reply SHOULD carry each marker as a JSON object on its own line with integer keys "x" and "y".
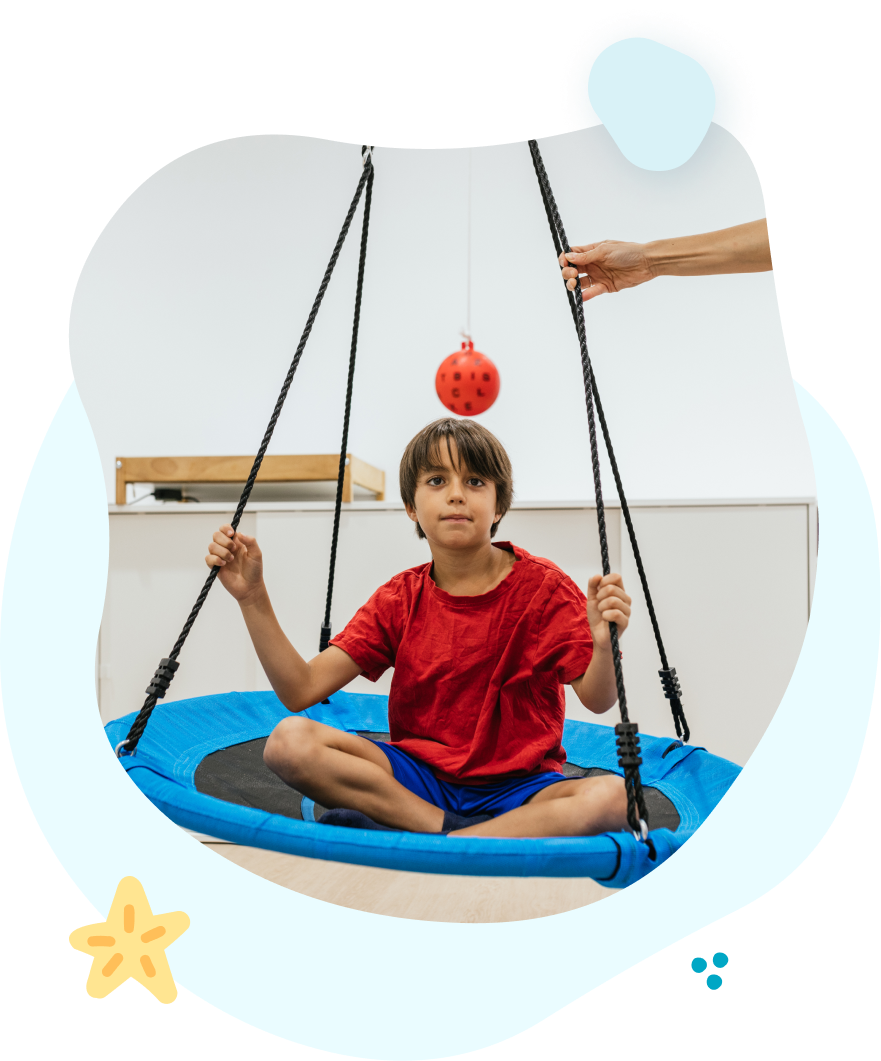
{"x": 191, "y": 303}
{"x": 712, "y": 568}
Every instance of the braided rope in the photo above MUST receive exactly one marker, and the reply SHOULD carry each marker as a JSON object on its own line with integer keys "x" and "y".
{"x": 140, "y": 723}
{"x": 636, "y": 808}
{"x": 344, "y": 444}
{"x": 669, "y": 684}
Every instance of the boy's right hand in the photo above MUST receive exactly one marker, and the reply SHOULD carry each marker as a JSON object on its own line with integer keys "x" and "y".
{"x": 240, "y": 562}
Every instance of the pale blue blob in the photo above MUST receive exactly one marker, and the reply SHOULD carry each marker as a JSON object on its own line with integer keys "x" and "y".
{"x": 699, "y": 964}
{"x": 656, "y": 103}
{"x": 714, "y": 982}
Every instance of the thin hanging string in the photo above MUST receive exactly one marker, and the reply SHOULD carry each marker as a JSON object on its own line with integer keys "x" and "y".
{"x": 669, "y": 681}
{"x": 468, "y": 309}
{"x": 324, "y": 638}
{"x": 628, "y": 741}
{"x": 167, "y": 666}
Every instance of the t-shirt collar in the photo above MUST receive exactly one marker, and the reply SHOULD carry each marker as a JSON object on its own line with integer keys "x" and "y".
{"x": 482, "y": 598}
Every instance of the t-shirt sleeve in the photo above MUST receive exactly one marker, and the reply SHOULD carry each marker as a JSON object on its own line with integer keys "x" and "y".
{"x": 373, "y": 635}
{"x": 565, "y": 644}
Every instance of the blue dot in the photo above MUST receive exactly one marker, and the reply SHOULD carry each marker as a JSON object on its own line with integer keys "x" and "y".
{"x": 720, "y": 960}
{"x": 698, "y": 965}
{"x": 714, "y": 982}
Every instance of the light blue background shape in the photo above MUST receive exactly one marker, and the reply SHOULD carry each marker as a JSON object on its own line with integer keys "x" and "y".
{"x": 656, "y": 103}
{"x": 289, "y": 963}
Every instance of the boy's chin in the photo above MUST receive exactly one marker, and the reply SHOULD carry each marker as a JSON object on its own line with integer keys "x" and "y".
{"x": 461, "y": 536}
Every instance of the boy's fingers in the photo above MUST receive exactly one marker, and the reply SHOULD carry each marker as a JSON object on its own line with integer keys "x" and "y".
{"x": 613, "y": 593}
{"x": 214, "y": 561}
{"x": 616, "y": 617}
{"x": 220, "y": 552}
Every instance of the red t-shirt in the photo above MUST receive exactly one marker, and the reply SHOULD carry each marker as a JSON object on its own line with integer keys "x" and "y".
{"x": 477, "y": 692}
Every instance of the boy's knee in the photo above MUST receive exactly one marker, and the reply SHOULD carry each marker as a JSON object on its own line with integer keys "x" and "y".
{"x": 290, "y": 745}
{"x": 608, "y": 798}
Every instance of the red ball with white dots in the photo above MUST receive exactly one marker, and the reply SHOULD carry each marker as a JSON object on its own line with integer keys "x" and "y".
{"x": 467, "y": 382}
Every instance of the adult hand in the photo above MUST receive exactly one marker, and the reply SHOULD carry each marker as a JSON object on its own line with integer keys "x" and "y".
{"x": 607, "y": 603}
{"x": 240, "y": 561}
{"x": 604, "y": 267}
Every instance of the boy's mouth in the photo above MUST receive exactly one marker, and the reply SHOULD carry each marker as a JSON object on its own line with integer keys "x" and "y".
{"x": 455, "y": 519}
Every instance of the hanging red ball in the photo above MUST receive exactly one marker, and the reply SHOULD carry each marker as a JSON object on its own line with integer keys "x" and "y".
{"x": 467, "y": 382}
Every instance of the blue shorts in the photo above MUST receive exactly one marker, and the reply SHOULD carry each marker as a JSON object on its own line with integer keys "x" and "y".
{"x": 467, "y": 800}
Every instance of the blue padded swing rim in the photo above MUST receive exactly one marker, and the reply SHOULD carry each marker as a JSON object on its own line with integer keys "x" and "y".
{"x": 174, "y": 745}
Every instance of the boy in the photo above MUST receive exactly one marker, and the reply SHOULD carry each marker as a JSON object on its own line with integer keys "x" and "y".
{"x": 482, "y": 641}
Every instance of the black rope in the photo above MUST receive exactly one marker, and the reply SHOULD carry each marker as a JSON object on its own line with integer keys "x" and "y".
{"x": 165, "y": 671}
{"x": 324, "y": 638}
{"x": 669, "y": 681}
{"x": 627, "y": 732}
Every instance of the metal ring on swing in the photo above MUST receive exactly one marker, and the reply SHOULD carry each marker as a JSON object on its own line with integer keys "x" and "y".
{"x": 643, "y": 833}
{"x": 118, "y": 746}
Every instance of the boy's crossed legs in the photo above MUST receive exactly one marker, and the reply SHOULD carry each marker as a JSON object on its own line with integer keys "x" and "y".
{"x": 338, "y": 769}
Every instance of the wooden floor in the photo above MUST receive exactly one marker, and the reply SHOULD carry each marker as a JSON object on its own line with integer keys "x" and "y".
{"x": 421, "y": 896}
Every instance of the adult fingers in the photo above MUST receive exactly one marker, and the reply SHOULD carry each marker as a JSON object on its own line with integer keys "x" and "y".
{"x": 574, "y": 253}
{"x": 589, "y": 291}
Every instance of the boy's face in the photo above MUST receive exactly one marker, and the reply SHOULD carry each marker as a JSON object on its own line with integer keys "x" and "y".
{"x": 455, "y": 508}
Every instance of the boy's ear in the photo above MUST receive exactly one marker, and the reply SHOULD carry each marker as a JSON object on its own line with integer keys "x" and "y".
{"x": 411, "y": 512}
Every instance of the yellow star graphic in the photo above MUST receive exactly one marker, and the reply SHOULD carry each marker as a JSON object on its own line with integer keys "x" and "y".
{"x": 131, "y": 942}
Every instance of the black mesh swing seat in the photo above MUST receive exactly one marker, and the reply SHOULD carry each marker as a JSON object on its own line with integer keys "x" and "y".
{"x": 201, "y": 760}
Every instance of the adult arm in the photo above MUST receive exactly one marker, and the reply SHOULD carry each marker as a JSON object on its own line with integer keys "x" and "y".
{"x": 612, "y": 265}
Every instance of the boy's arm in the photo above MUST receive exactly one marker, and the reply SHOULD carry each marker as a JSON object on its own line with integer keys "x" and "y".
{"x": 606, "y": 603}
{"x": 596, "y": 688}
{"x": 297, "y": 684}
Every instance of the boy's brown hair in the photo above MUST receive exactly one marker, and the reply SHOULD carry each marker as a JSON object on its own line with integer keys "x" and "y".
{"x": 479, "y": 450}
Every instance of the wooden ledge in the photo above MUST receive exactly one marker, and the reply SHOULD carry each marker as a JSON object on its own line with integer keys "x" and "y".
{"x": 280, "y": 468}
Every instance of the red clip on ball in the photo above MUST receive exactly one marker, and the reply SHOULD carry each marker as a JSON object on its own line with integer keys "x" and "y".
{"x": 467, "y": 382}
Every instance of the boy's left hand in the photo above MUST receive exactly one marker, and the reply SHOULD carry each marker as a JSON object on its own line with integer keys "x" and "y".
{"x": 607, "y": 603}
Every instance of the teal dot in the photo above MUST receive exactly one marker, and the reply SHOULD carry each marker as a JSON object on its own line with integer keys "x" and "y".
{"x": 698, "y": 965}
{"x": 720, "y": 960}
{"x": 714, "y": 982}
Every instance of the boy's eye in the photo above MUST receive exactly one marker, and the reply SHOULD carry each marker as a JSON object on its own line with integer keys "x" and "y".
{"x": 435, "y": 480}
{"x": 474, "y": 481}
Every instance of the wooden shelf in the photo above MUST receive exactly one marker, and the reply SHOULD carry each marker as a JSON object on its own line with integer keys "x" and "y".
{"x": 279, "y": 468}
